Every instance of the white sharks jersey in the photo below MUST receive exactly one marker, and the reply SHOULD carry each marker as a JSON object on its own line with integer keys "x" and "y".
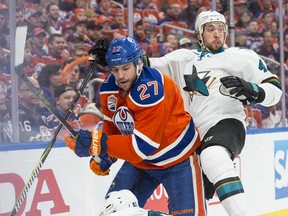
{"x": 208, "y": 110}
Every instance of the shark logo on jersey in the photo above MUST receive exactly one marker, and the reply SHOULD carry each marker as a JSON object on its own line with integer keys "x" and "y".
{"x": 124, "y": 120}
{"x": 112, "y": 102}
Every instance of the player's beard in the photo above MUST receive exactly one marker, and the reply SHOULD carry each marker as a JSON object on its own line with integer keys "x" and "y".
{"x": 214, "y": 46}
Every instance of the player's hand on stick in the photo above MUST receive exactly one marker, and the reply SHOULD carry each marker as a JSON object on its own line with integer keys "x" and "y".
{"x": 240, "y": 89}
{"x": 102, "y": 168}
{"x": 88, "y": 143}
{"x": 98, "y": 51}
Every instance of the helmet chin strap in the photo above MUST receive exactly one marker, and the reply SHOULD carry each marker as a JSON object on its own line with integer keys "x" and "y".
{"x": 138, "y": 70}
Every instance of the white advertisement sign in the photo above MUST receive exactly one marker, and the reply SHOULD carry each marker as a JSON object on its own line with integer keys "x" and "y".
{"x": 66, "y": 186}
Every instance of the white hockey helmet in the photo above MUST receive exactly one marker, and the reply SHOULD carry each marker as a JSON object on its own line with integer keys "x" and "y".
{"x": 207, "y": 17}
{"x": 118, "y": 200}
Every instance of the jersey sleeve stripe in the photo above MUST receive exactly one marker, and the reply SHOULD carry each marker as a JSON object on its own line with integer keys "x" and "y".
{"x": 142, "y": 145}
{"x": 174, "y": 154}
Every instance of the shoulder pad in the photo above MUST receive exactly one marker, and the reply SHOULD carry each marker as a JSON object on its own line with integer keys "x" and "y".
{"x": 149, "y": 88}
{"x": 109, "y": 84}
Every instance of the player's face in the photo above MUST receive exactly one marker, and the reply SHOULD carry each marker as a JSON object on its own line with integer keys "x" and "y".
{"x": 125, "y": 75}
{"x": 214, "y": 35}
{"x": 65, "y": 99}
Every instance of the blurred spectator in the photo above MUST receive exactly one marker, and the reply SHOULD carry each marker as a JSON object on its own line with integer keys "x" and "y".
{"x": 93, "y": 31}
{"x": 243, "y": 21}
{"x": 150, "y": 10}
{"x": 118, "y": 24}
{"x": 173, "y": 18}
{"x": 68, "y": 31}
{"x": 267, "y": 49}
{"x": 137, "y": 12}
{"x": 73, "y": 74}
{"x": 253, "y": 117}
{"x": 105, "y": 24}
{"x": 20, "y": 19}
{"x": 275, "y": 32}
{"x": 33, "y": 20}
{"x": 148, "y": 27}
{"x": 64, "y": 95}
{"x": 265, "y": 21}
{"x": 37, "y": 42}
{"x": 56, "y": 48}
{"x": 271, "y": 116}
{"x": 240, "y": 6}
{"x": 4, "y": 28}
{"x": 5, "y": 110}
{"x": 189, "y": 13}
{"x": 4, "y": 55}
{"x": 31, "y": 122}
{"x": 81, "y": 4}
{"x": 78, "y": 51}
{"x": 241, "y": 38}
{"x": 104, "y": 7}
{"x": 80, "y": 14}
{"x": 81, "y": 30}
{"x": 49, "y": 79}
{"x": 173, "y": 40}
{"x": 141, "y": 38}
{"x": 185, "y": 43}
{"x": 72, "y": 40}
{"x": 264, "y": 6}
{"x": 165, "y": 48}
{"x": 54, "y": 22}
{"x": 286, "y": 48}
{"x": 91, "y": 15}
{"x": 254, "y": 39}
{"x": 165, "y": 4}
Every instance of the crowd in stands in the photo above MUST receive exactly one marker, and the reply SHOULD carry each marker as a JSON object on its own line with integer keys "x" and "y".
{"x": 62, "y": 31}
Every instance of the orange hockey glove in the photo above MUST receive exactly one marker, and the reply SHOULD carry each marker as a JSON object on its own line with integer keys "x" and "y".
{"x": 88, "y": 143}
{"x": 102, "y": 168}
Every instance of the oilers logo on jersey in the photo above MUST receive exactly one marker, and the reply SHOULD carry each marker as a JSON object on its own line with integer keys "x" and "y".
{"x": 124, "y": 121}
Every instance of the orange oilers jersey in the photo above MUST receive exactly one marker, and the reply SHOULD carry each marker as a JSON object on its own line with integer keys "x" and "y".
{"x": 147, "y": 126}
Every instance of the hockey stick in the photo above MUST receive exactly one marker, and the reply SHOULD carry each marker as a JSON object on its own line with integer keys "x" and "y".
{"x": 18, "y": 63}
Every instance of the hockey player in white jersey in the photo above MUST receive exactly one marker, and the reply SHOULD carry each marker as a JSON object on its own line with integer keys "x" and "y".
{"x": 232, "y": 76}
{"x": 125, "y": 203}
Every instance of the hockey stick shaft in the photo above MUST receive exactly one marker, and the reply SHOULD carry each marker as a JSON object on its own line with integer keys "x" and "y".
{"x": 43, "y": 157}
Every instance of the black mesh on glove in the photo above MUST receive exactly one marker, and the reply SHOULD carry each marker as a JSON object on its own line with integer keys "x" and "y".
{"x": 99, "y": 51}
{"x": 243, "y": 90}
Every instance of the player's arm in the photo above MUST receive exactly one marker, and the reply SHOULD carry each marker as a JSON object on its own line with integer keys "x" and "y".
{"x": 253, "y": 83}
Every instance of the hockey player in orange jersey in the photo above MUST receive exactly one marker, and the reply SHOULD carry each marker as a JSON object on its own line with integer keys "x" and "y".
{"x": 146, "y": 125}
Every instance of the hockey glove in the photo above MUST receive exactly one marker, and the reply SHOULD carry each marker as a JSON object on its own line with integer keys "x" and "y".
{"x": 99, "y": 50}
{"x": 102, "y": 168}
{"x": 242, "y": 90}
{"x": 88, "y": 143}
